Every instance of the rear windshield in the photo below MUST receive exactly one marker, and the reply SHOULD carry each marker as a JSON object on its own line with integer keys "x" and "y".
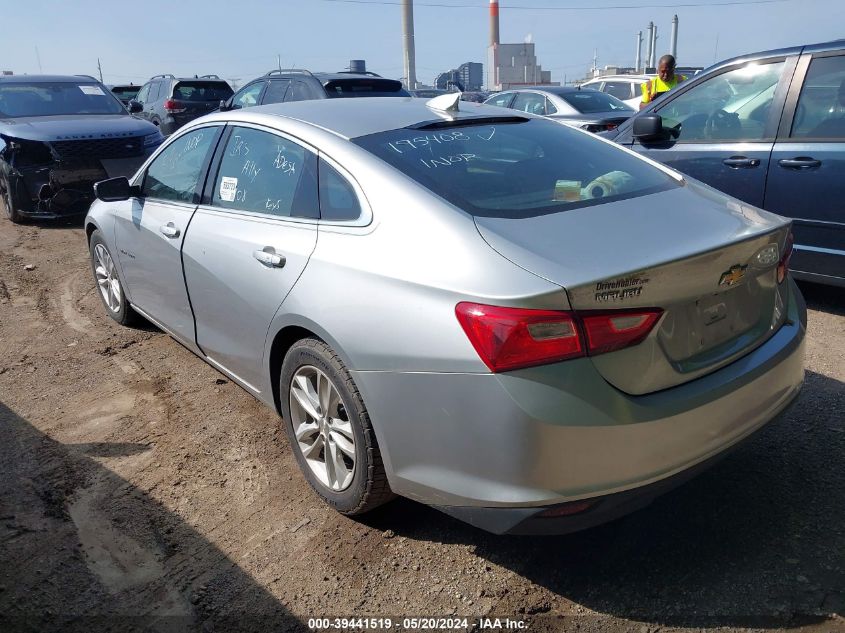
{"x": 202, "y": 91}
{"x": 516, "y": 169}
{"x": 359, "y": 87}
{"x": 126, "y": 92}
{"x": 51, "y": 99}
{"x": 590, "y": 101}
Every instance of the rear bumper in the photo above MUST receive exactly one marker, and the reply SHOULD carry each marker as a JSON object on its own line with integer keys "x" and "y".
{"x": 496, "y": 450}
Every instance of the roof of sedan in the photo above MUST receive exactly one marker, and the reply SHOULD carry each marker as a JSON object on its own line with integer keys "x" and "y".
{"x": 351, "y": 118}
{"x": 30, "y": 79}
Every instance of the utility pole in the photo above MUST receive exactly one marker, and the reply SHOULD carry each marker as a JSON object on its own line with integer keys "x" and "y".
{"x": 673, "y": 41}
{"x": 279, "y": 61}
{"x": 38, "y": 57}
{"x": 100, "y": 70}
{"x": 650, "y": 45}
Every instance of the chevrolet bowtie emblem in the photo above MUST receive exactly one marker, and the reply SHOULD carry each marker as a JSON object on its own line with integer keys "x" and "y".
{"x": 732, "y": 276}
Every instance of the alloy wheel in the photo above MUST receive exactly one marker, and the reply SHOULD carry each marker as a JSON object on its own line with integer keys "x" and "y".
{"x": 107, "y": 280}
{"x": 322, "y": 428}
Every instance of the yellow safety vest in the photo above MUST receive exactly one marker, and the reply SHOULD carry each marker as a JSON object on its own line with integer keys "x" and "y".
{"x": 656, "y": 86}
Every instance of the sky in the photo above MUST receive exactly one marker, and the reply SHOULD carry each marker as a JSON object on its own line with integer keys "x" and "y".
{"x": 241, "y": 39}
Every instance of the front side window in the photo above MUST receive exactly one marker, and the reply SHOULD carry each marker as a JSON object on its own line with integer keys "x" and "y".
{"x": 516, "y": 170}
{"x": 265, "y": 173}
{"x": 175, "y": 173}
{"x": 248, "y": 96}
{"x": 734, "y": 105}
{"x": 530, "y": 102}
{"x": 57, "y": 98}
{"x": 821, "y": 107}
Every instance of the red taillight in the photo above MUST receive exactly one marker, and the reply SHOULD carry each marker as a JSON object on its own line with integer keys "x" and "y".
{"x": 173, "y": 106}
{"x": 783, "y": 264}
{"x": 609, "y": 331}
{"x": 514, "y": 338}
{"x": 511, "y": 338}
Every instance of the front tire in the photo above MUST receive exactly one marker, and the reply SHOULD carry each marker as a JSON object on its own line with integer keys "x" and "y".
{"x": 109, "y": 285}
{"x": 9, "y": 202}
{"x": 330, "y": 431}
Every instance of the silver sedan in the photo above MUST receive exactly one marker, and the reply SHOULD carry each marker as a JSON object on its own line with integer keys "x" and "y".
{"x": 514, "y": 321}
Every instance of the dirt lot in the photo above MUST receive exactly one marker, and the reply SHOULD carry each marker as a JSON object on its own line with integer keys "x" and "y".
{"x": 140, "y": 490}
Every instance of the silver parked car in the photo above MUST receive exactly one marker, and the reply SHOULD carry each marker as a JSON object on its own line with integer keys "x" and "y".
{"x": 521, "y": 324}
{"x": 587, "y": 109}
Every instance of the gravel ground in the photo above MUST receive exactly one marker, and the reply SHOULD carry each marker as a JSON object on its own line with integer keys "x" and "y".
{"x": 140, "y": 490}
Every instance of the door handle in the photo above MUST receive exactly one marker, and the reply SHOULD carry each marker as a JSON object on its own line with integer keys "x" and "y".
{"x": 270, "y": 258}
{"x": 169, "y": 230}
{"x": 800, "y": 162}
{"x": 738, "y": 162}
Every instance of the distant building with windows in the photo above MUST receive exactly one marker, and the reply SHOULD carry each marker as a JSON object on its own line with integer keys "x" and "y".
{"x": 469, "y": 76}
{"x": 514, "y": 65}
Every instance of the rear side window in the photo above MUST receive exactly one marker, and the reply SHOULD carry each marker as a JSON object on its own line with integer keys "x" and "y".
{"x": 276, "y": 91}
{"x": 591, "y": 101}
{"x": 175, "y": 173}
{"x": 338, "y": 200}
{"x": 530, "y": 102}
{"x": 202, "y": 91}
{"x": 618, "y": 89}
{"x": 369, "y": 87}
{"x": 516, "y": 170}
{"x": 125, "y": 92}
{"x": 155, "y": 88}
{"x": 265, "y": 173}
{"x": 821, "y": 106}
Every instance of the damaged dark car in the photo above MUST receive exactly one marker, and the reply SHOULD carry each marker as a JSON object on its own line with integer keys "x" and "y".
{"x": 58, "y": 136}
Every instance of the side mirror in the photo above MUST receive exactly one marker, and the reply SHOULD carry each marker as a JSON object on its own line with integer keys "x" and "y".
{"x": 225, "y": 105}
{"x": 116, "y": 189}
{"x": 649, "y": 127}
{"x": 135, "y": 107}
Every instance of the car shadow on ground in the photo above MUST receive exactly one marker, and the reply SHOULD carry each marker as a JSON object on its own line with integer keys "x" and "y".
{"x": 757, "y": 540}
{"x": 82, "y": 549}
{"x": 823, "y": 298}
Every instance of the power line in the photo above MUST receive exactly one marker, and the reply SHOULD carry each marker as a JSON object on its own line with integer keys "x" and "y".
{"x": 676, "y": 5}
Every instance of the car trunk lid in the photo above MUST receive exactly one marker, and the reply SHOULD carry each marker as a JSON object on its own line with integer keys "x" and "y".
{"x": 707, "y": 261}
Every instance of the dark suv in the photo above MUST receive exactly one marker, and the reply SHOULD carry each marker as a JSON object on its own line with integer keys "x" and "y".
{"x": 58, "y": 136}
{"x": 300, "y": 85}
{"x": 169, "y": 102}
{"x": 769, "y": 129}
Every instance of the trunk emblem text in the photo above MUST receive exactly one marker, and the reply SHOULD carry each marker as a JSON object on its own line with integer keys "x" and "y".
{"x": 620, "y": 289}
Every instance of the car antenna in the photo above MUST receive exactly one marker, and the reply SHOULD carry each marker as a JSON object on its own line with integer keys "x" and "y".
{"x": 445, "y": 103}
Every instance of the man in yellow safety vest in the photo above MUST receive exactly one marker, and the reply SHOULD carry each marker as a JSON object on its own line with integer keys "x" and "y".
{"x": 666, "y": 80}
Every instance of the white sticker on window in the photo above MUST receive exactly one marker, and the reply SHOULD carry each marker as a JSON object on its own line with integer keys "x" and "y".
{"x": 228, "y": 189}
{"x": 92, "y": 90}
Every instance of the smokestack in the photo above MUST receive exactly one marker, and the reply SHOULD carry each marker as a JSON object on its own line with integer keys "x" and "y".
{"x": 649, "y": 44}
{"x": 673, "y": 48}
{"x": 408, "y": 43}
{"x": 639, "y": 51}
{"x": 653, "y": 60}
{"x": 494, "y": 22}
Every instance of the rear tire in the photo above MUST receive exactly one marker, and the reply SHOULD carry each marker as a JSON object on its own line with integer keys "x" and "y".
{"x": 330, "y": 431}
{"x": 110, "y": 288}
